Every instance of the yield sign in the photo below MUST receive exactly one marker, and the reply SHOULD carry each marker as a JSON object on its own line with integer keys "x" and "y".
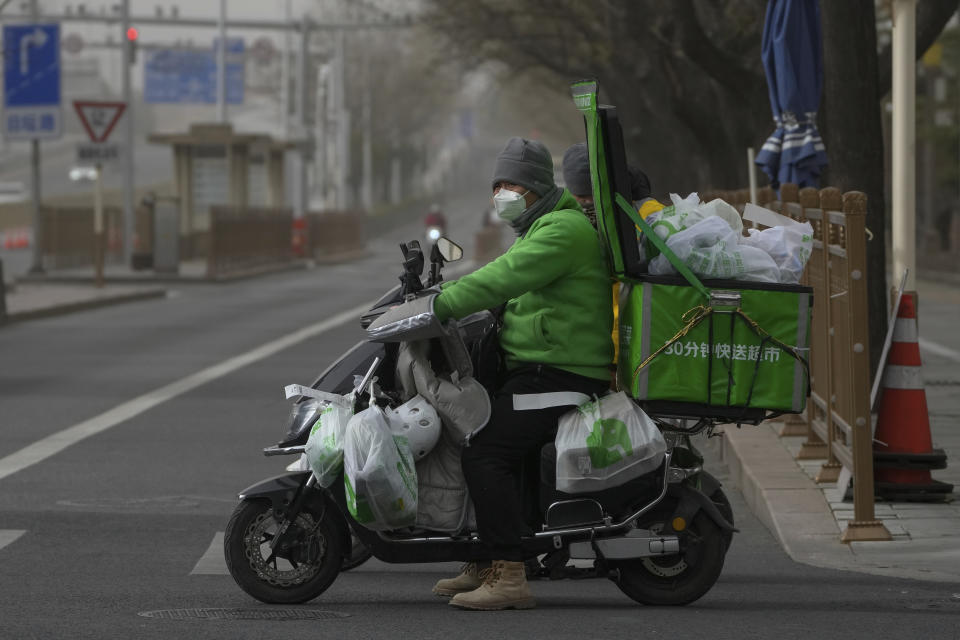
{"x": 99, "y": 118}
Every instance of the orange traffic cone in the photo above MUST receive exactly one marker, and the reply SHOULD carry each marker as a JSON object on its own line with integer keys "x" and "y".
{"x": 903, "y": 448}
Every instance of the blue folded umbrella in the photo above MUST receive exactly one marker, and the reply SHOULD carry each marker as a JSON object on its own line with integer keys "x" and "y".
{"x": 792, "y": 60}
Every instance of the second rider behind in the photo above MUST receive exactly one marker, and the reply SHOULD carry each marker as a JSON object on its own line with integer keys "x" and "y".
{"x": 555, "y": 337}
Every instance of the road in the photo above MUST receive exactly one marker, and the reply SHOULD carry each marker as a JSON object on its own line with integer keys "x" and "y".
{"x": 138, "y": 447}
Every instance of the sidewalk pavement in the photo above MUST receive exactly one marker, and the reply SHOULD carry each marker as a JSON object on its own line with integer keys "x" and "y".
{"x": 67, "y": 290}
{"x": 30, "y": 301}
{"x": 808, "y": 519}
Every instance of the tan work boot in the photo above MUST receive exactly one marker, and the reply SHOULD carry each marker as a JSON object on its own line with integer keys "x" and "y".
{"x": 468, "y": 580}
{"x": 504, "y": 587}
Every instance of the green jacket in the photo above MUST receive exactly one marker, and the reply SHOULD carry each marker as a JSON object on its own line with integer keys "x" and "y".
{"x": 556, "y": 285}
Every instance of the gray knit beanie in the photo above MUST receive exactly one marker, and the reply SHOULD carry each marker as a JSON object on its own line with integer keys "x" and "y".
{"x": 527, "y": 163}
{"x": 576, "y": 170}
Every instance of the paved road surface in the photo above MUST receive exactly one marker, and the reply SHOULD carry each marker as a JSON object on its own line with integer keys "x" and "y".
{"x": 126, "y": 520}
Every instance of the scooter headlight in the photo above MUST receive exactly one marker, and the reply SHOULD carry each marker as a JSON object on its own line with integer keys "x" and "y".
{"x": 302, "y": 416}
{"x": 434, "y": 234}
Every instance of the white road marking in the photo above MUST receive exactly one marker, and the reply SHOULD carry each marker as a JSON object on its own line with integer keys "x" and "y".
{"x": 939, "y": 350}
{"x": 57, "y": 442}
{"x": 7, "y": 536}
{"x": 211, "y": 563}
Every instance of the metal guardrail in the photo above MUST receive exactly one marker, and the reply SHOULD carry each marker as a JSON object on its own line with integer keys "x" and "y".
{"x": 333, "y": 233}
{"x": 245, "y": 237}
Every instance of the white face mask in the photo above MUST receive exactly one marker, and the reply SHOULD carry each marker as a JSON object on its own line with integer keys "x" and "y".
{"x": 510, "y": 205}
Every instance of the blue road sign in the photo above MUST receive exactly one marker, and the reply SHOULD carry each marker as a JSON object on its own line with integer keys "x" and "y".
{"x": 31, "y": 81}
{"x": 174, "y": 76}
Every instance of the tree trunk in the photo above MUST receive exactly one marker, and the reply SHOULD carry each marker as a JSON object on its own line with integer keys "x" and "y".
{"x": 852, "y": 132}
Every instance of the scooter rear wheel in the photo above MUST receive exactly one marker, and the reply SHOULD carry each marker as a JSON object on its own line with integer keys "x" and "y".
{"x": 676, "y": 579}
{"x": 300, "y": 573}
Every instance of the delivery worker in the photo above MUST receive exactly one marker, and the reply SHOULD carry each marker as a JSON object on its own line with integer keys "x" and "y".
{"x": 554, "y": 336}
{"x": 576, "y": 175}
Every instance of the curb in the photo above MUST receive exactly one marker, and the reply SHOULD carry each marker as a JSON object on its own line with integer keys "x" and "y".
{"x": 782, "y": 497}
{"x": 62, "y": 309}
{"x": 793, "y": 507}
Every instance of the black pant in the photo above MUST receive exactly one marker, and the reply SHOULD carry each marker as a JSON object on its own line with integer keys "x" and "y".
{"x": 492, "y": 462}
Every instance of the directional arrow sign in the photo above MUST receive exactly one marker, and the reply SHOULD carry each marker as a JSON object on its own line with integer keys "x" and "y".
{"x": 37, "y": 39}
{"x": 99, "y": 118}
{"x": 31, "y": 81}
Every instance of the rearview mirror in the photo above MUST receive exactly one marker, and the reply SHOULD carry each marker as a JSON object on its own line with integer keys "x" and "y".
{"x": 449, "y": 249}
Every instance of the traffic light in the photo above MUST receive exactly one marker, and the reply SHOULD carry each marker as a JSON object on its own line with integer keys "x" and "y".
{"x": 132, "y": 35}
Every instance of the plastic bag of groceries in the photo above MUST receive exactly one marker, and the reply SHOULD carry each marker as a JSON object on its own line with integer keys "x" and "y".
{"x": 789, "y": 245}
{"x": 683, "y": 214}
{"x": 712, "y": 249}
{"x": 605, "y": 443}
{"x": 324, "y": 448}
{"x": 378, "y": 473}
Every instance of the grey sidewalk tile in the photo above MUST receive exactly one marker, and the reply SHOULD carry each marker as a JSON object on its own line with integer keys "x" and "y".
{"x": 932, "y": 527}
{"x": 928, "y": 513}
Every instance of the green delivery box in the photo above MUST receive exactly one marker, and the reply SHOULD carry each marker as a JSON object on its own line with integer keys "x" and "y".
{"x": 740, "y": 356}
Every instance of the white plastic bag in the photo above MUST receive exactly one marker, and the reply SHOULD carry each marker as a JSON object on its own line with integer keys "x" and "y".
{"x": 378, "y": 473}
{"x": 683, "y": 214}
{"x": 788, "y": 245}
{"x": 324, "y": 448}
{"x": 686, "y": 212}
{"x": 712, "y": 250}
{"x": 605, "y": 443}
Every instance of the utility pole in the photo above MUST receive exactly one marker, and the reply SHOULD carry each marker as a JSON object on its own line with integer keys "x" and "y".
{"x": 285, "y": 77}
{"x": 366, "y": 190}
{"x": 321, "y": 127}
{"x": 343, "y": 125}
{"x": 302, "y": 197}
{"x": 128, "y": 158}
{"x": 222, "y": 64}
{"x": 904, "y": 141}
{"x": 37, "y": 263}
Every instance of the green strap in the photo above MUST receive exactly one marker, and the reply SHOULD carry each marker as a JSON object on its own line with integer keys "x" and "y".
{"x": 660, "y": 244}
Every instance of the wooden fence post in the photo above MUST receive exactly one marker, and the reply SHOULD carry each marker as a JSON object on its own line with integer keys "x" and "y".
{"x": 864, "y": 525}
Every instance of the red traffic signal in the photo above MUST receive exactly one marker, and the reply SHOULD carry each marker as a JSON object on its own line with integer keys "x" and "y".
{"x": 132, "y": 33}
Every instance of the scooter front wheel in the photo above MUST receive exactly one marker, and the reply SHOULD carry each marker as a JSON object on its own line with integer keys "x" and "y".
{"x": 305, "y": 566}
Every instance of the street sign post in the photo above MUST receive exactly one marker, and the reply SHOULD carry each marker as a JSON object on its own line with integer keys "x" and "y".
{"x": 98, "y": 119}
{"x": 31, "y": 82}
{"x": 31, "y": 101}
